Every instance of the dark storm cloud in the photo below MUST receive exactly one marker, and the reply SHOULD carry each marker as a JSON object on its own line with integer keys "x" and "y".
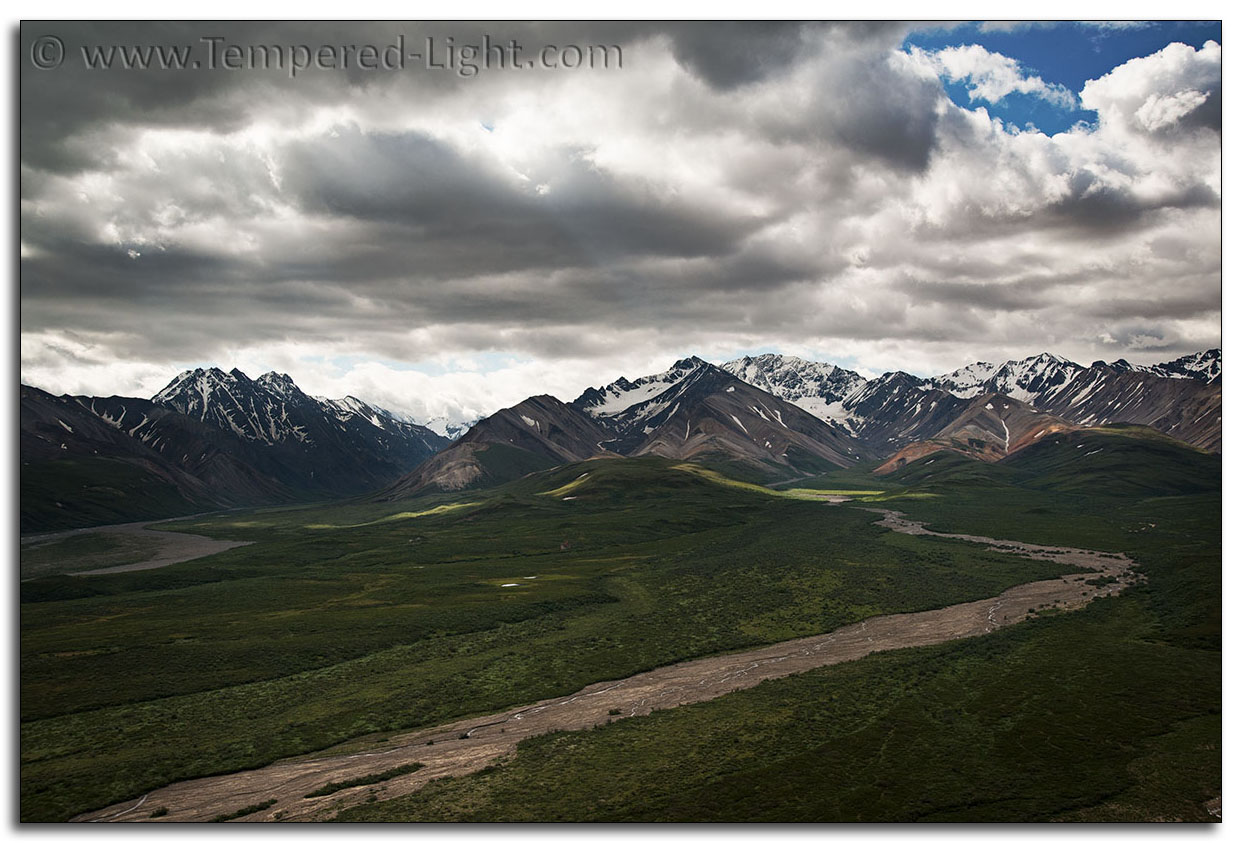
{"x": 62, "y": 107}
{"x": 992, "y": 297}
{"x": 779, "y": 182}
{"x": 733, "y": 53}
{"x": 215, "y": 301}
{"x": 899, "y": 128}
{"x": 1209, "y": 115}
{"x": 859, "y": 99}
{"x": 1154, "y": 309}
{"x": 1094, "y": 207}
{"x": 586, "y": 215}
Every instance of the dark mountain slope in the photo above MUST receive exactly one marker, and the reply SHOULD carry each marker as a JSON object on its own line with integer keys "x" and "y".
{"x": 538, "y": 433}
{"x": 76, "y": 470}
{"x": 693, "y": 411}
{"x": 713, "y": 415}
{"x": 232, "y": 468}
{"x": 209, "y": 440}
{"x": 314, "y": 446}
{"x": 1185, "y": 408}
{"x": 896, "y": 409}
{"x": 989, "y": 428}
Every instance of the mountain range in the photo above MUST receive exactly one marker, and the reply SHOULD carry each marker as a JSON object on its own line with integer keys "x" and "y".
{"x": 693, "y": 411}
{"x": 775, "y": 416}
{"x": 1181, "y": 397}
{"x": 213, "y": 439}
{"x": 208, "y": 440}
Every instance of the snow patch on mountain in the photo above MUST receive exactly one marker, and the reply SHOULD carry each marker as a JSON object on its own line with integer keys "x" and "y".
{"x": 1204, "y": 366}
{"x": 968, "y": 381}
{"x": 622, "y": 394}
{"x": 819, "y": 388}
{"x": 272, "y": 410}
{"x": 444, "y": 426}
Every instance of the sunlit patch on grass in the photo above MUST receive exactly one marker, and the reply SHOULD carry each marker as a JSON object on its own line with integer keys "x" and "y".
{"x": 720, "y": 479}
{"x": 791, "y": 494}
{"x": 398, "y": 516}
{"x": 568, "y": 487}
{"x": 822, "y": 494}
{"x": 435, "y": 510}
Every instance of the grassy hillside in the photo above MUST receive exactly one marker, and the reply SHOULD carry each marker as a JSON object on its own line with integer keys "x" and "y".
{"x": 502, "y": 463}
{"x": 1110, "y": 713}
{"x": 1096, "y": 487}
{"x": 342, "y": 621}
{"x": 1118, "y": 461}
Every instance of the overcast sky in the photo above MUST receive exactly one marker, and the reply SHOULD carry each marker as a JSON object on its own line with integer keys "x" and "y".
{"x": 878, "y": 196}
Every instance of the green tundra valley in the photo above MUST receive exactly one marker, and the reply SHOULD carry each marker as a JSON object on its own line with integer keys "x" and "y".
{"x": 352, "y": 624}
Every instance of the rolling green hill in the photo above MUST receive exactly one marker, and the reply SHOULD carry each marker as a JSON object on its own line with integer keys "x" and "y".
{"x": 345, "y": 621}
{"x": 1117, "y": 461}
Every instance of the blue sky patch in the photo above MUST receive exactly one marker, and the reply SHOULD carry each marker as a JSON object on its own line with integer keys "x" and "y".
{"x": 1066, "y": 54}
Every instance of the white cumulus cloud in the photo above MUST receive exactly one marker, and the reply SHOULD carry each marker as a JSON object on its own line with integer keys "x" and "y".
{"x": 991, "y": 76}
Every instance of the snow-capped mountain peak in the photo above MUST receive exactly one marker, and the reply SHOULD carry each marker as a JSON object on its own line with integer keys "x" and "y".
{"x": 175, "y": 385}
{"x": 1022, "y": 379}
{"x": 822, "y": 389}
{"x": 350, "y": 407}
{"x": 1204, "y": 366}
{"x": 257, "y": 411}
{"x": 968, "y": 381}
{"x": 281, "y": 385}
{"x": 619, "y": 396}
{"x": 898, "y": 408}
{"x": 192, "y": 380}
{"x": 1032, "y": 377}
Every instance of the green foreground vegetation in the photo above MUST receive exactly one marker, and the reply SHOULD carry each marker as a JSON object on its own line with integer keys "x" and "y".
{"x": 1059, "y": 718}
{"x": 347, "y": 621}
{"x": 375, "y": 778}
{"x": 1111, "y": 713}
{"x": 243, "y": 812}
